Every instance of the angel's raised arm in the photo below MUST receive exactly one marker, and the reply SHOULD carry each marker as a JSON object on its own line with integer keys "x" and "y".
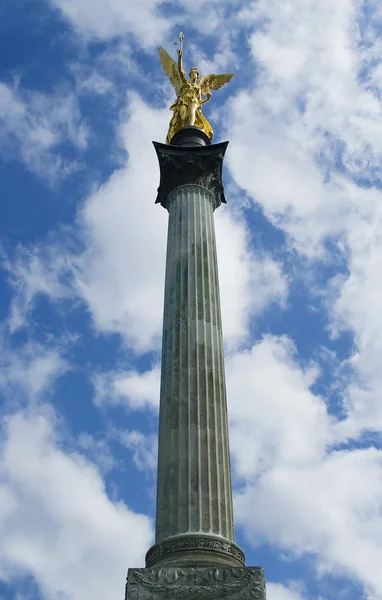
{"x": 182, "y": 74}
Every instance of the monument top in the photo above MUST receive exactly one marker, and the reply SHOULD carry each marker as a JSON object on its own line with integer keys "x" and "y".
{"x": 187, "y": 107}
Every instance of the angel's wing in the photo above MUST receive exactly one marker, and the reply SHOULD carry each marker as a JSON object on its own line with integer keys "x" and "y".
{"x": 214, "y": 82}
{"x": 170, "y": 67}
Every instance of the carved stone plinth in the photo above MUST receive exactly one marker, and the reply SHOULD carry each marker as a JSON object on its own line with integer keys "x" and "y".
{"x": 196, "y": 583}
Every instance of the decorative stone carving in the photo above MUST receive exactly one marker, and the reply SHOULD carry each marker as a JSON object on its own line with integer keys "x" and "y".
{"x": 182, "y": 165}
{"x": 223, "y": 550}
{"x": 193, "y": 583}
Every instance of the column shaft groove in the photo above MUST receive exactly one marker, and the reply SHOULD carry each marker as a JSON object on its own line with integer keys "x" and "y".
{"x": 194, "y": 481}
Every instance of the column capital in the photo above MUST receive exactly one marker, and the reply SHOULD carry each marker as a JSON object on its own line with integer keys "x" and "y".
{"x": 198, "y": 165}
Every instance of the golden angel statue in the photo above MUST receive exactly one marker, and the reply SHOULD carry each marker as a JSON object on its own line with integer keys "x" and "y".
{"x": 189, "y": 94}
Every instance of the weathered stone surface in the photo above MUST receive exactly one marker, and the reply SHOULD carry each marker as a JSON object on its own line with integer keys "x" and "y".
{"x": 206, "y": 583}
{"x": 194, "y": 494}
{"x": 194, "y": 557}
{"x": 199, "y": 165}
{"x": 195, "y": 550}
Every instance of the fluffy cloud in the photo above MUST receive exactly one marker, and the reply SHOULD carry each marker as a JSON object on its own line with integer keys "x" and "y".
{"x": 136, "y": 390}
{"x": 248, "y": 282}
{"x": 355, "y": 307}
{"x": 90, "y": 81}
{"x": 98, "y": 450}
{"x": 57, "y": 521}
{"x": 274, "y": 417}
{"x": 28, "y": 373}
{"x": 298, "y": 491}
{"x": 277, "y": 591}
{"x": 316, "y": 109}
{"x": 317, "y": 121}
{"x": 33, "y": 125}
{"x": 322, "y": 509}
{"x": 34, "y": 272}
{"x": 143, "y": 448}
{"x": 120, "y": 275}
{"x": 106, "y": 19}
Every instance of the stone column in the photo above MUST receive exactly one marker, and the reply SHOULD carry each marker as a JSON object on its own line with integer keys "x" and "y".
{"x": 194, "y": 484}
{"x": 194, "y": 497}
{"x": 194, "y": 555}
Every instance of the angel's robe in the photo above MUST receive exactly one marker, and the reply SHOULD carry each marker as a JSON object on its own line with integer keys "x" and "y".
{"x": 189, "y": 94}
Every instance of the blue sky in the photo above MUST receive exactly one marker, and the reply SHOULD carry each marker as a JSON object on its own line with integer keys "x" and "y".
{"x": 82, "y": 96}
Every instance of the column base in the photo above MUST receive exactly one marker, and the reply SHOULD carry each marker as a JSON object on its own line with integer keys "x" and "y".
{"x": 195, "y": 551}
{"x": 196, "y": 583}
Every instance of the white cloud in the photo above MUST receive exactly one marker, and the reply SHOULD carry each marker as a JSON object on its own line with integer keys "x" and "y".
{"x": 223, "y": 60}
{"x": 277, "y": 591}
{"x": 317, "y": 114}
{"x": 33, "y": 272}
{"x": 143, "y": 447}
{"x": 120, "y": 275}
{"x": 298, "y": 492}
{"x": 29, "y": 372}
{"x": 98, "y": 451}
{"x": 248, "y": 282}
{"x": 317, "y": 122}
{"x": 136, "y": 390}
{"x": 106, "y": 19}
{"x": 119, "y": 58}
{"x": 354, "y": 306}
{"x": 33, "y": 125}
{"x": 274, "y": 417}
{"x": 315, "y": 110}
{"x": 282, "y": 176}
{"x": 330, "y": 510}
{"x": 90, "y": 81}
{"x": 57, "y": 522}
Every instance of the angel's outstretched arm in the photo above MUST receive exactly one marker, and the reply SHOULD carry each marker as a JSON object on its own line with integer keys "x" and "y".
{"x": 180, "y": 66}
{"x": 209, "y": 96}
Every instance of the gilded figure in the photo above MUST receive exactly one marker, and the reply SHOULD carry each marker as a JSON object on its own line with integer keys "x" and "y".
{"x": 190, "y": 94}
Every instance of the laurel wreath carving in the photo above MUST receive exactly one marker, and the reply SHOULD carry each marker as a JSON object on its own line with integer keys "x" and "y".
{"x": 187, "y": 543}
{"x": 196, "y": 592}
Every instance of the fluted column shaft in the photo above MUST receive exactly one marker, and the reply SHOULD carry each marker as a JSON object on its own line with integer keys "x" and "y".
{"x": 194, "y": 555}
{"x": 194, "y": 482}
{"x": 194, "y": 524}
